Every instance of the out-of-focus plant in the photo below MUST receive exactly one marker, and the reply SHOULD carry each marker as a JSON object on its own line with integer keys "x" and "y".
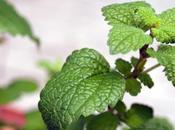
{"x": 13, "y": 23}
{"x": 50, "y": 66}
{"x": 10, "y": 116}
{"x": 157, "y": 123}
{"x": 15, "y": 89}
{"x": 34, "y": 121}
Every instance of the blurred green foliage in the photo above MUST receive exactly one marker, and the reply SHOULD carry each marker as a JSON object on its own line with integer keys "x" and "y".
{"x": 50, "y": 66}
{"x": 13, "y": 23}
{"x": 15, "y": 89}
{"x": 157, "y": 123}
{"x": 34, "y": 121}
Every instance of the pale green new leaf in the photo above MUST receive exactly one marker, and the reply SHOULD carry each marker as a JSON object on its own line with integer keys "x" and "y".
{"x": 84, "y": 85}
{"x": 164, "y": 33}
{"x": 139, "y": 14}
{"x": 11, "y": 22}
{"x": 104, "y": 121}
{"x": 146, "y": 18}
{"x": 166, "y": 57}
{"x": 123, "y": 39}
{"x": 168, "y": 16}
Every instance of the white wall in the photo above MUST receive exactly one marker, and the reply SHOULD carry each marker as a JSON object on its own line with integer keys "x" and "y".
{"x": 65, "y": 25}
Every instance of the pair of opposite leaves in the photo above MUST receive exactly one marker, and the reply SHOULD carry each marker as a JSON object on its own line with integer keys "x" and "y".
{"x": 86, "y": 84}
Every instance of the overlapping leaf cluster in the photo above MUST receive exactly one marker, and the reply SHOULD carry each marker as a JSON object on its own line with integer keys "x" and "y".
{"x": 131, "y": 21}
{"x": 86, "y": 84}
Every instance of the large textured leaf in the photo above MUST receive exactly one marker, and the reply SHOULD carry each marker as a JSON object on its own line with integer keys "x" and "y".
{"x": 104, "y": 121}
{"x": 138, "y": 14}
{"x": 166, "y": 57}
{"x": 123, "y": 39}
{"x": 165, "y": 33}
{"x": 11, "y": 22}
{"x": 84, "y": 85}
{"x": 138, "y": 115}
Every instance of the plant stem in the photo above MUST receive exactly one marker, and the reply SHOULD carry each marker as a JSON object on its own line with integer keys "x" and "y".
{"x": 140, "y": 64}
{"x": 152, "y": 68}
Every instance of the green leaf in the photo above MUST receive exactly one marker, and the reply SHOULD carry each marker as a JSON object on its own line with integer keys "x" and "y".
{"x": 123, "y": 39}
{"x": 104, "y": 121}
{"x": 78, "y": 125}
{"x": 164, "y": 34}
{"x": 146, "y": 80}
{"x": 134, "y": 61}
{"x": 11, "y": 22}
{"x": 166, "y": 57}
{"x": 34, "y": 121}
{"x": 123, "y": 66}
{"x": 139, "y": 14}
{"x": 137, "y": 115}
{"x": 158, "y": 124}
{"x": 120, "y": 107}
{"x": 168, "y": 16}
{"x": 146, "y": 18}
{"x": 15, "y": 89}
{"x": 84, "y": 85}
{"x": 133, "y": 86}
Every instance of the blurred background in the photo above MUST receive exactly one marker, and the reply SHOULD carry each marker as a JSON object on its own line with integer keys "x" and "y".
{"x": 63, "y": 26}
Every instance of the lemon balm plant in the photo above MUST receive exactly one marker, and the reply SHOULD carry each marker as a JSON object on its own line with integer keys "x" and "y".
{"x": 86, "y": 84}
